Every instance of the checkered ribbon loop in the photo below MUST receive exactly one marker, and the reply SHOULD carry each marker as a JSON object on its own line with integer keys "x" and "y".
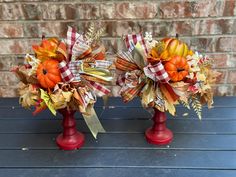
{"x": 71, "y": 72}
{"x": 99, "y": 89}
{"x": 66, "y": 74}
{"x": 80, "y": 50}
{"x": 75, "y": 68}
{"x": 72, "y": 37}
{"x": 157, "y": 73}
{"x": 132, "y": 39}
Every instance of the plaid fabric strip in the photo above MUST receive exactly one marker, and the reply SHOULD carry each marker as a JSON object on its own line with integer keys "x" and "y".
{"x": 102, "y": 64}
{"x": 80, "y": 49}
{"x": 130, "y": 93}
{"x": 131, "y": 41}
{"x": 99, "y": 49}
{"x": 74, "y": 67}
{"x": 157, "y": 72}
{"x": 126, "y": 55}
{"x": 72, "y": 36}
{"x": 99, "y": 89}
{"x": 66, "y": 74}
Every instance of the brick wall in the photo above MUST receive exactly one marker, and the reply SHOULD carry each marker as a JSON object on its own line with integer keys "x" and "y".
{"x": 209, "y": 25}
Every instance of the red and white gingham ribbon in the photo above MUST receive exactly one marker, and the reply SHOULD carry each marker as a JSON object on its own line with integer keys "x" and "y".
{"x": 75, "y": 68}
{"x": 156, "y": 72}
{"x": 132, "y": 39}
{"x": 71, "y": 73}
{"x": 66, "y": 74}
{"x": 72, "y": 36}
{"x": 80, "y": 49}
{"x": 99, "y": 89}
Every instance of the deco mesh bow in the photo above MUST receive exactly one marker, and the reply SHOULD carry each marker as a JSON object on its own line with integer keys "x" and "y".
{"x": 164, "y": 74}
{"x": 68, "y": 74}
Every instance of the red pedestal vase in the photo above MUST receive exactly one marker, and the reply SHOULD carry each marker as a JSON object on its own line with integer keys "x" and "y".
{"x": 158, "y": 134}
{"x": 70, "y": 138}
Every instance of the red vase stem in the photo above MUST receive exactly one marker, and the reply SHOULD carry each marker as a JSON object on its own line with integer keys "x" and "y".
{"x": 159, "y": 134}
{"x": 70, "y": 138}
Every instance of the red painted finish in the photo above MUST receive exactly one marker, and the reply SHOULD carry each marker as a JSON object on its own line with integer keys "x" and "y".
{"x": 158, "y": 134}
{"x": 70, "y": 138}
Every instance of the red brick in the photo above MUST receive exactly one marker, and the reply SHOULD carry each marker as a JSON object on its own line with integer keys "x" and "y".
{"x": 17, "y": 46}
{"x": 88, "y": 11}
{"x": 182, "y": 28}
{"x": 8, "y": 78}
{"x": 232, "y": 77}
{"x": 219, "y": 60}
{"x": 32, "y": 11}
{"x": 160, "y": 29}
{"x": 59, "y": 11}
{"x": 11, "y": 12}
{"x": 82, "y": 26}
{"x": 110, "y": 28}
{"x": 12, "y": 47}
{"x": 8, "y": 91}
{"x": 229, "y": 8}
{"x": 202, "y": 8}
{"x": 9, "y": 30}
{"x": 20, "y": 0}
{"x": 6, "y": 62}
{"x": 107, "y": 10}
{"x": 31, "y": 30}
{"x": 173, "y": 9}
{"x": 113, "y": 45}
{"x": 222, "y": 78}
{"x": 49, "y": 29}
{"x": 53, "y": 29}
{"x": 129, "y": 10}
{"x": 210, "y": 8}
{"x": 202, "y": 44}
{"x": 222, "y": 26}
{"x": 223, "y": 90}
{"x": 234, "y": 90}
{"x": 127, "y": 27}
{"x": 224, "y": 44}
{"x": 157, "y": 28}
{"x": 232, "y": 61}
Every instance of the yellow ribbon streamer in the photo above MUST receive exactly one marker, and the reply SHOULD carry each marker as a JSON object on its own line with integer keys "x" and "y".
{"x": 93, "y": 122}
{"x": 98, "y": 73}
{"x": 148, "y": 93}
{"x": 46, "y": 98}
{"x": 139, "y": 56}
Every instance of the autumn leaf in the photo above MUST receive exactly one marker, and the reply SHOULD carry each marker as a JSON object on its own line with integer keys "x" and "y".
{"x": 28, "y": 95}
{"x": 46, "y": 98}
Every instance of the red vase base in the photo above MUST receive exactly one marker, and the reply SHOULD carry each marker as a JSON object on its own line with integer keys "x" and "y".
{"x": 163, "y": 137}
{"x": 70, "y": 142}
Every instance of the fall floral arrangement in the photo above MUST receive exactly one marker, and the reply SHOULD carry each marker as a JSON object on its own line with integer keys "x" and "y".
{"x": 164, "y": 74}
{"x": 66, "y": 74}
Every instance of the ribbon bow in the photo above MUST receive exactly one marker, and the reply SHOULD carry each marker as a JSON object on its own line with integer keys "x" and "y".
{"x": 156, "y": 72}
{"x": 85, "y": 64}
{"x": 94, "y": 72}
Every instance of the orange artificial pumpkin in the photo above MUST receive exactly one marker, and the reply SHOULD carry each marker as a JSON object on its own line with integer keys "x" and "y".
{"x": 176, "y": 47}
{"x": 177, "y": 68}
{"x": 48, "y": 73}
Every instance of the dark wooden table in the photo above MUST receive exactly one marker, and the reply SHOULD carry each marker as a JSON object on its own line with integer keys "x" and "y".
{"x": 205, "y": 148}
